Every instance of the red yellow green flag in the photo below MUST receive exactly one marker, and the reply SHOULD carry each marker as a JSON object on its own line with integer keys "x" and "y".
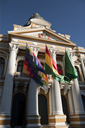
{"x": 51, "y": 67}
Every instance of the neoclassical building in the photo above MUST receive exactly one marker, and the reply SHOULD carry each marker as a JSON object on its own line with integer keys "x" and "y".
{"x": 23, "y": 103}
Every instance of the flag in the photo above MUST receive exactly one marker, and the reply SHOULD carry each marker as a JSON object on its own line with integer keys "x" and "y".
{"x": 69, "y": 68}
{"x": 51, "y": 67}
{"x": 33, "y": 68}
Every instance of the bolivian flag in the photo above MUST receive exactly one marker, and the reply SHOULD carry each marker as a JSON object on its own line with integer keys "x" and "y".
{"x": 51, "y": 68}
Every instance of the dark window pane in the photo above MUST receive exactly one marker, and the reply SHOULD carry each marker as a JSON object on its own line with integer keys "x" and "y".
{"x": 2, "y": 63}
{"x": 20, "y": 66}
{"x": 77, "y": 70}
{"x": 83, "y": 99}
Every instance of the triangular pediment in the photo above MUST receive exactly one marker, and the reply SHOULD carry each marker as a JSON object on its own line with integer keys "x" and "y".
{"x": 42, "y": 34}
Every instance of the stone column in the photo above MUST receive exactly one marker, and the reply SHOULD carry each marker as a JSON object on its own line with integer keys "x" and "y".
{"x": 5, "y": 109}
{"x": 33, "y": 118}
{"x": 83, "y": 67}
{"x": 58, "y": 119}
{"x": 78, "y": 119}
{"x": 57, "y": 107}
{"x": 78, "y": 105}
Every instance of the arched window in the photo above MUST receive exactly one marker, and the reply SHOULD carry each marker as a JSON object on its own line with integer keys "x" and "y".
{"x": 83, "y": 99}
{"x": 2, "y": 64}
{"x": 20, "y": 66}
{"x": 59, "y": 69}
{"x": 77, "y": 70}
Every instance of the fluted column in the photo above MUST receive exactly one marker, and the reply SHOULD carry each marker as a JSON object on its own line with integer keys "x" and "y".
{"x": 5, "y": 109}
{"x": 33, "y": 119}
{"x": 57, "y": 119}
{"x": 8, "y": 85}
{"x": 78, "y": 104}
{"x": 57, "y": 103}
{"x": 78, "y": 117}
{"x": 83, "y": 67}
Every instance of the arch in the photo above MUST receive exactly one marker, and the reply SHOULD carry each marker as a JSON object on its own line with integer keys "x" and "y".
{"x": 20, "y": 66}
{"x": 18, "y": 110}
{"x": 2, "y": 65}
{"x": 77, "y": 70}
{"x": 65, "y": 108}
{"x": 83, "y": 100}
{"x": 42, "y": 105}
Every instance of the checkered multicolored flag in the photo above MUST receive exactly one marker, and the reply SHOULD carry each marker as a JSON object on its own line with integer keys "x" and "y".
{"x": 33, "y": 68}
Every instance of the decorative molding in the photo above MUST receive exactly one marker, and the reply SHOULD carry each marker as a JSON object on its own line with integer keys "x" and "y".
{"x": 13, "y": 47}
{"x": 35, "y": 49}
{"x": 53, "y": 52}
{"x": 25, "y": 87}
{"x": 47, "y": 88}
{"x": 65, "y": 87}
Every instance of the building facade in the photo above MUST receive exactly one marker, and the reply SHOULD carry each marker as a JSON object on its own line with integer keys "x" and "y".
{"x": 23, "y": 103}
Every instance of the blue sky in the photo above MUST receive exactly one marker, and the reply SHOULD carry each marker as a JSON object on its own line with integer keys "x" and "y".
{"x": 66, "y": 16}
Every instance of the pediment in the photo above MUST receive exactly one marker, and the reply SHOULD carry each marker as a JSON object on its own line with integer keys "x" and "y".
{"x": 43, "y": 34}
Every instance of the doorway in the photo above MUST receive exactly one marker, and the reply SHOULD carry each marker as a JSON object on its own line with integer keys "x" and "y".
{"x": 18, "y": 110}
{"x": 65, "y": 108}
{"x": 42, "y": 105}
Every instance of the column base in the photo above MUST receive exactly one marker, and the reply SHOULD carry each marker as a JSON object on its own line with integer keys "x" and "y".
{"x": 5, "y": 121}
{"x": 58, "y": 121}
{"x": 77, "y": 121}
{"x": 33, "y": 121}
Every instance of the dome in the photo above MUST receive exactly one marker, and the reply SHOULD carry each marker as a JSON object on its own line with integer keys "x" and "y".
{"x": 35, "y": 15}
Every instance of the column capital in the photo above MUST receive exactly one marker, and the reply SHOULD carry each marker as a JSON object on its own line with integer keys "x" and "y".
{"x": 53, "y": 52}
{"x": 35, "y": 49}
{"x": 13, "y": 47}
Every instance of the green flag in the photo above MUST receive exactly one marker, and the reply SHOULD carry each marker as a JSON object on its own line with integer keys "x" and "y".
{"x": 70, "y": 71}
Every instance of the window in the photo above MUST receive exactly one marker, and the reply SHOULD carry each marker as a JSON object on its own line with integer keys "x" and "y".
{"x": 2, "y": 64}
{"x": 77, "y": 70}
{"x": 83, "y": 99}
{"x": 20, "y": 66}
